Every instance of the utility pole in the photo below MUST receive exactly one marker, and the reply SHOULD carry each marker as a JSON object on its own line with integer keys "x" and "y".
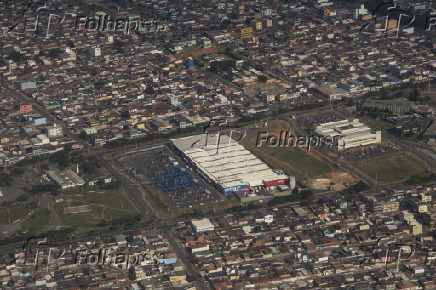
{"x": 376, "y": 178}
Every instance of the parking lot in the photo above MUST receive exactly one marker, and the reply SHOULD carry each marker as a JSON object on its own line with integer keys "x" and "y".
{"x": 178, "y": 184}
{"x": 367, "y": 152}
{"x": 310, "y": 123}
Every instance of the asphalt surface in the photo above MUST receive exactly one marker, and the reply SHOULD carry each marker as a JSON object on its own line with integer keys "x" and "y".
{"x": 134, "y": 188}
{"x": 17, "y": 95}
{"x": 183, "y": 256}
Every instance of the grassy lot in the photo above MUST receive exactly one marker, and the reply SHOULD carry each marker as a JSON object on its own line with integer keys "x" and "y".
{"x": 391, "y": 168}
{"x": 293, "y": 161}
{"x": 37, "y": 220}
{"x": 15, "y": 212}
{"x": 110, "y": 198}
{"x": 105, "y": 205}
{"x": 89, "y": 219}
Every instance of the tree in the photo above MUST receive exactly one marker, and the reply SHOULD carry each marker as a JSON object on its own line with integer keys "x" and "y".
{"x": 82, "y": 135}
{"x": 262, "y": 79}
{"x": 5, "y": 179}
{"x": 34, "y": 203}
{"x": 132, "y": 274}
{"x": 425, "y": 218}
{"x": 125, "y": 114}
{"x": 399, "y": 95}
{"x": 414, "y": 96}
{"x": 16, "y": 56}
{"x": 53, "y": 53}
{"x": 44, "y": 167}
{"x": 88, "y": 167}
{"x": 62, "y": 158}
{"x": 18, "y": 171}
{"x": 22, "y": 198}
{"x": 149, "y": 89}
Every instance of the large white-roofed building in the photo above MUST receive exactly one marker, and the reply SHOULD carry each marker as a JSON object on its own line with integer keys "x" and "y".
{"x": 352, "y": 133}
{"x": 202, "y": 225}
{"x": 227, "y": 164}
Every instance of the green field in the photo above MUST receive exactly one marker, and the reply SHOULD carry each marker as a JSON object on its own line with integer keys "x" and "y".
{"x": 105, "y": 205}
{"x": 303, "y": 164}
{"x": 391, "y": 168}
{"x": 15, "y": 212}
{"x": 37, "y": 221}
{"x": 294, "y": 161}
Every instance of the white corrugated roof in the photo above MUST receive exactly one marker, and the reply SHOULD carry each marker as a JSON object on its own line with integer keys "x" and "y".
{"x": 227, "y": 162}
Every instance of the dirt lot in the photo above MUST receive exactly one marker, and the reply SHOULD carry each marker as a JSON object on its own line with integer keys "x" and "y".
{"x": 308, "y": 166}
{"x": 338, "y": 178}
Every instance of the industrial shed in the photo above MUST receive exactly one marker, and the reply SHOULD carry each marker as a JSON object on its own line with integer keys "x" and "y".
{"x": 227, "y": 164}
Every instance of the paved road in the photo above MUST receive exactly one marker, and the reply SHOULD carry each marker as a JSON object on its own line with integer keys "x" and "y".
{"x": 406, "y": 145}
{"x": 18, "y": 95}
{"x": 55, "y": 223}
{"x": 133, "y": 188}
{"x": 183, "y": 256}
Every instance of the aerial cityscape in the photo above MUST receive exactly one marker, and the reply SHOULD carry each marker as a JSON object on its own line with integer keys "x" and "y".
{"x": 223, "y": 144}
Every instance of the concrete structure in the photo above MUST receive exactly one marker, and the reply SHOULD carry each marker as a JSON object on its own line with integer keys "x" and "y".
{"x": 28, "y": 86}
{"x": 66, "y": 179}
{"x": 360, "y": 11}
{"x": 95, "y": 51}
{"x": 353, "y": 133}
{"x": 202, "y": 225}
{"x": 333, "y": 93}
{"x": 228, "y": 165}
{"x": 395, "y": 106}
{"x": 54, "y": 132}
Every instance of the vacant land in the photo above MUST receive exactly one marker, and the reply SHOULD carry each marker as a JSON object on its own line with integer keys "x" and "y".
{"x": 304, "y": 164}
{"x": 37, "y": 221}
{"x": 106, "y": 205}
{"x": 14, "y": 213}
{"x": 391, "y": 168}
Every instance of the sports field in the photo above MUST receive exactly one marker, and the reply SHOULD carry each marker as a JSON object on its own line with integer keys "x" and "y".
{"x": 391, "y": 168}
{"x": 105, "y": 205}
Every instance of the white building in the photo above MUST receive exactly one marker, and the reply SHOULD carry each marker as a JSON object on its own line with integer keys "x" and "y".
{"x": 352, "y": 133}
{"x": 54, "y": 132}
{"x": 202, "y": 225}
{"x": 95, "y": 51}
{"x": 227, "y": 164}
{"x": 66, "y": 179}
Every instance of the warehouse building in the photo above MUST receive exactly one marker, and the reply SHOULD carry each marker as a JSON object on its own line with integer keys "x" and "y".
{"x": 66, "y": 179}
{"x": 228, "y": 165}
{"x": 202, "y": 225}
{"x": 352, "y": 133}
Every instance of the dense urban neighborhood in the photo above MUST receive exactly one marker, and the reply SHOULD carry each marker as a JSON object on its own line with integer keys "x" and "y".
{"x": 160, "y": 144}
